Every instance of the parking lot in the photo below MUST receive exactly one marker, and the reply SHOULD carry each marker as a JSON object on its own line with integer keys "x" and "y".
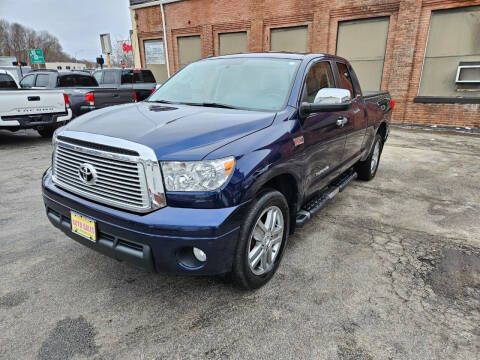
{"x": 389, "y": 270}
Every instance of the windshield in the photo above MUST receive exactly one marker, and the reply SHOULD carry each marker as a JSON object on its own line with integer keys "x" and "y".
{"x": 244, "y": 83}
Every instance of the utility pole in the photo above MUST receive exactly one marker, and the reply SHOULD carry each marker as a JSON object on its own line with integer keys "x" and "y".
{"x": 106, "y": 47}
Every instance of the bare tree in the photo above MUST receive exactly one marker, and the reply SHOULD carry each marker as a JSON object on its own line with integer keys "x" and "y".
{"x": 16, "y": 40}
{"x": 119, "y": 56}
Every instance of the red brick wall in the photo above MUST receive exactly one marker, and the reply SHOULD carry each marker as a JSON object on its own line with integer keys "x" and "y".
{"x": 409, "y": 21}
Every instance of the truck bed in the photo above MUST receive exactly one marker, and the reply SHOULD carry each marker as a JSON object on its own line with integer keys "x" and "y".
{"x": 380, "y": 98}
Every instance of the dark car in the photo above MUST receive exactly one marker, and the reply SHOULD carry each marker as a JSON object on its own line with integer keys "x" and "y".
{"x": 81, "y": 88}
{"x": 219, "y": 166}
{"x": 140, "y": 80}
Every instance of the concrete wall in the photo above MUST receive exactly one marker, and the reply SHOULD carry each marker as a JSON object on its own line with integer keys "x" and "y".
{"x": 404, "y": 54}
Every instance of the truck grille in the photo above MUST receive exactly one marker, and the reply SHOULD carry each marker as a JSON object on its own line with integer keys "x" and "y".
{"x": 111, "y": 178}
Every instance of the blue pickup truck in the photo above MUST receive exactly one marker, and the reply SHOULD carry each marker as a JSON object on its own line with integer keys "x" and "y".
{"x": 213, "y": 171}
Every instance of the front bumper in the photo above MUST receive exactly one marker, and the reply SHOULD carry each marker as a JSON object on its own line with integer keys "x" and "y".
{"x": 158, "y": 241}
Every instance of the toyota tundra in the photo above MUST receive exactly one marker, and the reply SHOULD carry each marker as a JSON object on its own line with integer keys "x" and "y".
{"x": 213, "y": 171}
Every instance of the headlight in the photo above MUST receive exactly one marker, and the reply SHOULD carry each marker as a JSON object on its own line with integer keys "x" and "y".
{"x": 204, "y": 175}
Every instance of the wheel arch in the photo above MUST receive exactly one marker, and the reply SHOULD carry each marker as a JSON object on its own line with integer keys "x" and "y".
{"x": 286, "y": 183}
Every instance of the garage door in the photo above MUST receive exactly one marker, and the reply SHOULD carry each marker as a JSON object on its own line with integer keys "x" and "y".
{"x": 453, "y": 39}
{"x": 293, "y": 39}
{"x": 155, "y": 59}
{"x": 189, "y": 50}
{"x": 363, "y": 43}
{"x": 232, "y": 43}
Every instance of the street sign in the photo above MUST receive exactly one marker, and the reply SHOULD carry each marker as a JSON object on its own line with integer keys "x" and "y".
{"x": 36, "y": 55}
{"x": 106, "y": 44}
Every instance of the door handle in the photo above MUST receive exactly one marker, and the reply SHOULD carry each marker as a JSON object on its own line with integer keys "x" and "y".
{"x": 116, "y": 95}
{"x": 341, "y": 121}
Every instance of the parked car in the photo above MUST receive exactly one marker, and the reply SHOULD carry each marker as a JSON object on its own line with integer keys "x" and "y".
{"x": 82, "y": 89}
{"x": 219, "y": 166}
{"x": 140, "y": 80}
{"x": 44, "y": 111}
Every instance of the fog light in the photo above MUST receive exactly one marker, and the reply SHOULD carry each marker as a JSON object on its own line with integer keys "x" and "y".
{"x": 199, "y": 254}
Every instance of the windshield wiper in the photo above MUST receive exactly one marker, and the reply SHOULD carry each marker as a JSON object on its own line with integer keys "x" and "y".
{"x": 161, "y": 101}
{"x": 213, "y": 104}
{"x": 205, "y": 104}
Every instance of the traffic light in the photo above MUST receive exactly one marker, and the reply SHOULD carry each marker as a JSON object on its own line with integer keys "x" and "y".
{"x": 100, "y": 61}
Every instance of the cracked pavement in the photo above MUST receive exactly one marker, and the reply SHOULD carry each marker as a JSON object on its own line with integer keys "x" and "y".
{"x": 390, "y": 269}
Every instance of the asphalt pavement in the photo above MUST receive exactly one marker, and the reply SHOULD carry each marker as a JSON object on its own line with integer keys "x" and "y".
{"x": 390, "y": 269}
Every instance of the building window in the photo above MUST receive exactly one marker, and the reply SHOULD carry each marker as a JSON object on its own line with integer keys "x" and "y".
{"x": 155, "y": 59}
{"x": 363, "y": 43}
{"x": 232, "y": 43}
{"x": 453, "y": 41}
{"x": 189, "y": 49}
{"x": 292, "y": 39}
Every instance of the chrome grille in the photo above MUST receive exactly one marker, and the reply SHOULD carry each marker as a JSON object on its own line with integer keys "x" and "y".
{"x": 119, "y": 180}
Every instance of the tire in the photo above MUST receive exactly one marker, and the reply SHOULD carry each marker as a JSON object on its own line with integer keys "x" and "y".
{"x": 367, "y": 169}
{"x": 46, "y": 132}
{"x": 260, "y": 246}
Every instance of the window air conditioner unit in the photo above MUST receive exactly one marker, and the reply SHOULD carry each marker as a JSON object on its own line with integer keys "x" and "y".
{"x": 468, "y": 73}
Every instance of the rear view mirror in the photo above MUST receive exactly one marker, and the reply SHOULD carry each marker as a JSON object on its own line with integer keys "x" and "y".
{"x": 327, "y": 99}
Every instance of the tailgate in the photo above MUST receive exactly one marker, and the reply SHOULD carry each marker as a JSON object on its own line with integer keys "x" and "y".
{"x": 109, "y": 97}
{"x": 31, "y": 102}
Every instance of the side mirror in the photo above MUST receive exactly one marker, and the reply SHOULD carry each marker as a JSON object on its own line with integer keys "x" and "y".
{"x": 327, "y": 99}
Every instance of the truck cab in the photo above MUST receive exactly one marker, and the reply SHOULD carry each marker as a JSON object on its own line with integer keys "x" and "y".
{"x": 141, "y": 81}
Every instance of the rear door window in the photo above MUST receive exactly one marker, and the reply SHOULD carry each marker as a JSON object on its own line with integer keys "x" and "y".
{"x": 42, "y": 80}
{"x": 345, "y": 78}
{"x": 7, "y": 82}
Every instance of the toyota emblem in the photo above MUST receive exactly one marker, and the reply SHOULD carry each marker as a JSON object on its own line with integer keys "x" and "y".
{"x": 87, "y": 174}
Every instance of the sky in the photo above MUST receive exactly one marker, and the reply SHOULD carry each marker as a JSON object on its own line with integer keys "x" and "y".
{"x": 76, "y": 23}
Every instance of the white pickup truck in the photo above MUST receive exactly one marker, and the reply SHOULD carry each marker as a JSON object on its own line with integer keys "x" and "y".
{"x": 43, "y": 110}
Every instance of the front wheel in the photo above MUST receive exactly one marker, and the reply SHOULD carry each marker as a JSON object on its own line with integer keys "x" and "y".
{"x": 262, "y": 241}
{"x": 367, "y": 169}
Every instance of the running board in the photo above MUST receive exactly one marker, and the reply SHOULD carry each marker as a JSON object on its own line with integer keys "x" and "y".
{"x": 319, "y": 202}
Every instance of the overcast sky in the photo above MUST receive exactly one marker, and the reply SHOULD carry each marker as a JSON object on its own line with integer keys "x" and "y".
{"x": 76, "y": 23}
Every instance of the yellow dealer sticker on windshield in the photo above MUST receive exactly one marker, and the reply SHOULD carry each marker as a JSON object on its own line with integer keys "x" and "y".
{"x": 83, "y": 226}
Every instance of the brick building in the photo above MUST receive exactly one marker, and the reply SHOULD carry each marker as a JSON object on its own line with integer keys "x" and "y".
{"x": 425, "y": 52}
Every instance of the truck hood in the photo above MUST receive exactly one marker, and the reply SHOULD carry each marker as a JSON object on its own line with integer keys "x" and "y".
{"x": 174, "y": 132}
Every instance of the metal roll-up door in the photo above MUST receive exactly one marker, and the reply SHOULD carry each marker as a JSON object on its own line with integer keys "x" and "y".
{"x": 363, "y": 43}
{"x": 155, "y": 59}
{"x": 189, "y": 49}
{"x": 232, "y": 43}
{"x": 292, "y": 39}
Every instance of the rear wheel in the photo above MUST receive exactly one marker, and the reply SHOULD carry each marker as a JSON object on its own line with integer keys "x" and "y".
{"x": 46, "y": 132}
{"x": 262, "y": 241}
{"x": 367, "y": 169}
